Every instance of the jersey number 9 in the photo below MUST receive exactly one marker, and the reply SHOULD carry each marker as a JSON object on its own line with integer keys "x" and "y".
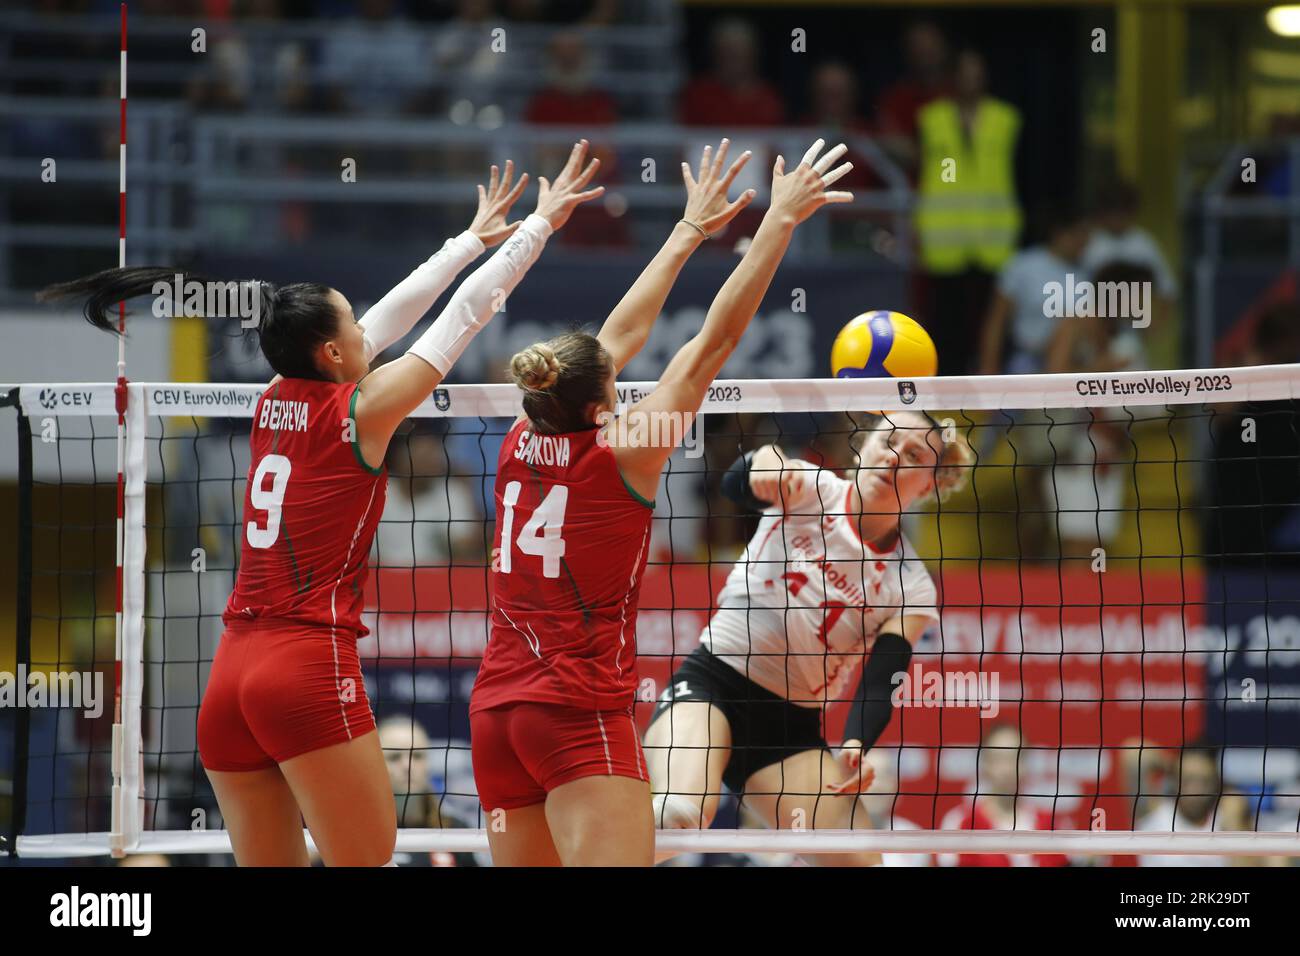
{"x": 269, "y": 500}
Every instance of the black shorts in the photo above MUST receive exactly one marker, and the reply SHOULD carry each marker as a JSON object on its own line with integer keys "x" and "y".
{"x": 765, "y": 728}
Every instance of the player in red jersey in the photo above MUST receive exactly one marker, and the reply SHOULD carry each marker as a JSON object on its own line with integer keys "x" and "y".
{"x": 557, "y": 761}
{"x": 285, "y": 730}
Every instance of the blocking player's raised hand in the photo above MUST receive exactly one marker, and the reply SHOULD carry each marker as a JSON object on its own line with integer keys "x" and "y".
{"x": 798, "y": 194}
{"x": 494, "y": 204}
{"x": 706, "y": 190}
{"x": 557, "y": 200}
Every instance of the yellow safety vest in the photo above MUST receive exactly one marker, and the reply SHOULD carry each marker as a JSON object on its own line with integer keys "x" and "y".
{"x": 974, "y": 220}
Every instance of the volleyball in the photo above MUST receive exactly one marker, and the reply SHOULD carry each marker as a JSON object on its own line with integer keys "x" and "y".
{"x": 883, "y": 344}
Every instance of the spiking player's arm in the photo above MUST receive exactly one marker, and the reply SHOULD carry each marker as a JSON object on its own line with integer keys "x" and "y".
{"x": 393, "y": 391}
{"x": 707, "y": 212}
{"x": 768, "y": 476}
{"x": 871, "y": 706}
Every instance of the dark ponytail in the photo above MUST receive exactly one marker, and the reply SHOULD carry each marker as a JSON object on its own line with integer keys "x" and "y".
{"x": 293, "y": 320}
{"x": 104, "y": 290}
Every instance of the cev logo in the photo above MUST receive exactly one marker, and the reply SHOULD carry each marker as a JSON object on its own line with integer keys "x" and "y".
{"x": 49, "y": 398}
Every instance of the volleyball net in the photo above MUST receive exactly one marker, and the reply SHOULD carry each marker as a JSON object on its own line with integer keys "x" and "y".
{"x": 1116, "y": 669}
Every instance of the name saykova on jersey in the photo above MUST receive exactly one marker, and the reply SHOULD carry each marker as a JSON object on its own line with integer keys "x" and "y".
{"x": 546, "y": 449}
{"x": 284, "y": 416}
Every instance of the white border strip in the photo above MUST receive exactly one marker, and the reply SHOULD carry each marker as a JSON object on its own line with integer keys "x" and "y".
{"x": 1083, "y": 842}
{"x": 973, "y": 393}
{"x": 136, "y": 471}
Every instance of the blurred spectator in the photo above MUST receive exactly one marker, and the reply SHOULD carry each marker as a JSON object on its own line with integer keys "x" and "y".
{"x": 587, "y": 12}
{"x": 463, "y": 52}
{"x": 967, "y": 216}
{"x": 408, "y": 753}
{"x": 224, "y": 80}
{"x": 1257, "y": 459}
{"x": 1238, "y": 343}
{"x": 1018, "y": 329}
{"x": 1276, "y": 339}
{"x": 1146, "y": 770}
{"x": 1101, "y": 343}
{"x": 996, "y": 805}
{"x": 1193, "y": 808}
{"x": 881, "y": 804}
{"x": 374, "y": 64}
{"x": 432, "y": 517}
{"x": 568, "y": 96}
{"x": 294, "y": 90}
{"x": 1118, "y": 238}
{"x": 733, "y": 93}
{"x": 925, "y": 50}
{"x": 833, "y": 109}
{"x": 1091, "y": 465}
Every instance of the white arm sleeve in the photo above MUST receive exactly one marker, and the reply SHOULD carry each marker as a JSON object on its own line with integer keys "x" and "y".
{"x": 406, "y": 303}
{"x": 480, "y": 295}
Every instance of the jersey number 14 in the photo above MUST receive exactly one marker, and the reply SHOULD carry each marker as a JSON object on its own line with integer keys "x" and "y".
{"x": 541, "y": 535}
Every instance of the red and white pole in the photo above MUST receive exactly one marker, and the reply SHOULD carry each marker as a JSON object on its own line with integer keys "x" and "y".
{"x": 118, "y": 810}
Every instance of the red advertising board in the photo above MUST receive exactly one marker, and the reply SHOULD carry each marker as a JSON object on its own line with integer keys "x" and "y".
{"x": 1082, "y": 663}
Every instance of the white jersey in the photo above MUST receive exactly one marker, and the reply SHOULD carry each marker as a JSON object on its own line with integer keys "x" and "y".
{"x": 804, "y": 602}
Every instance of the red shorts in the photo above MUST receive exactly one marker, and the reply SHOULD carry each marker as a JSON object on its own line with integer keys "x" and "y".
{"x": 278, "y": 691}
{"x": 522, "y": 752}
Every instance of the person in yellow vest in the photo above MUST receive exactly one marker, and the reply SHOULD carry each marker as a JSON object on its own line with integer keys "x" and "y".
{"x": 967, "y": 217}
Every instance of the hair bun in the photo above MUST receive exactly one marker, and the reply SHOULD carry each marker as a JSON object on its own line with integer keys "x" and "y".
{"x": 535, "y": 368}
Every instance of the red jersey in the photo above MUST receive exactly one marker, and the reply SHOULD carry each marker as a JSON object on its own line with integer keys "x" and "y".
{"x": 568, "y": 557}
{"x": 310, "y": 510}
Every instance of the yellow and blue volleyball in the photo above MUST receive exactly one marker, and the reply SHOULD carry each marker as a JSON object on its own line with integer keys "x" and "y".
{"x": 883, "y": 345}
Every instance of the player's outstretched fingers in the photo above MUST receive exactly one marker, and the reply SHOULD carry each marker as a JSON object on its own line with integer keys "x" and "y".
{"x": 813, "y": 150}
{"x": 735, "y": 169}
{"x": 517, "y": 191}
{"x": 721, "y": 157}
{"x": 829, "y": 159}
{"x": 576, "y": 156}
{"x": 587, "y": 174}
{"x": 687, "y": 178}
{"x": 836, "y": 173}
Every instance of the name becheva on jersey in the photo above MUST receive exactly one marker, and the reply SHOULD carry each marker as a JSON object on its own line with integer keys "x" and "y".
{"x": 543, "y": 449}
{"x": 284, "y": 416}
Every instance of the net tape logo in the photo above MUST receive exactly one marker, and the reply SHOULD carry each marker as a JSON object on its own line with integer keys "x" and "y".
{"x": 907, "y": 392}
{"x": 52, "y": 398}
{"x": 240, "y": 398}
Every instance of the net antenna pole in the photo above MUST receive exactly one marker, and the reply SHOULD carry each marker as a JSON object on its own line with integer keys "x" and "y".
{"x": 118, "y": 826}
{"x": 22, "y": 626}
